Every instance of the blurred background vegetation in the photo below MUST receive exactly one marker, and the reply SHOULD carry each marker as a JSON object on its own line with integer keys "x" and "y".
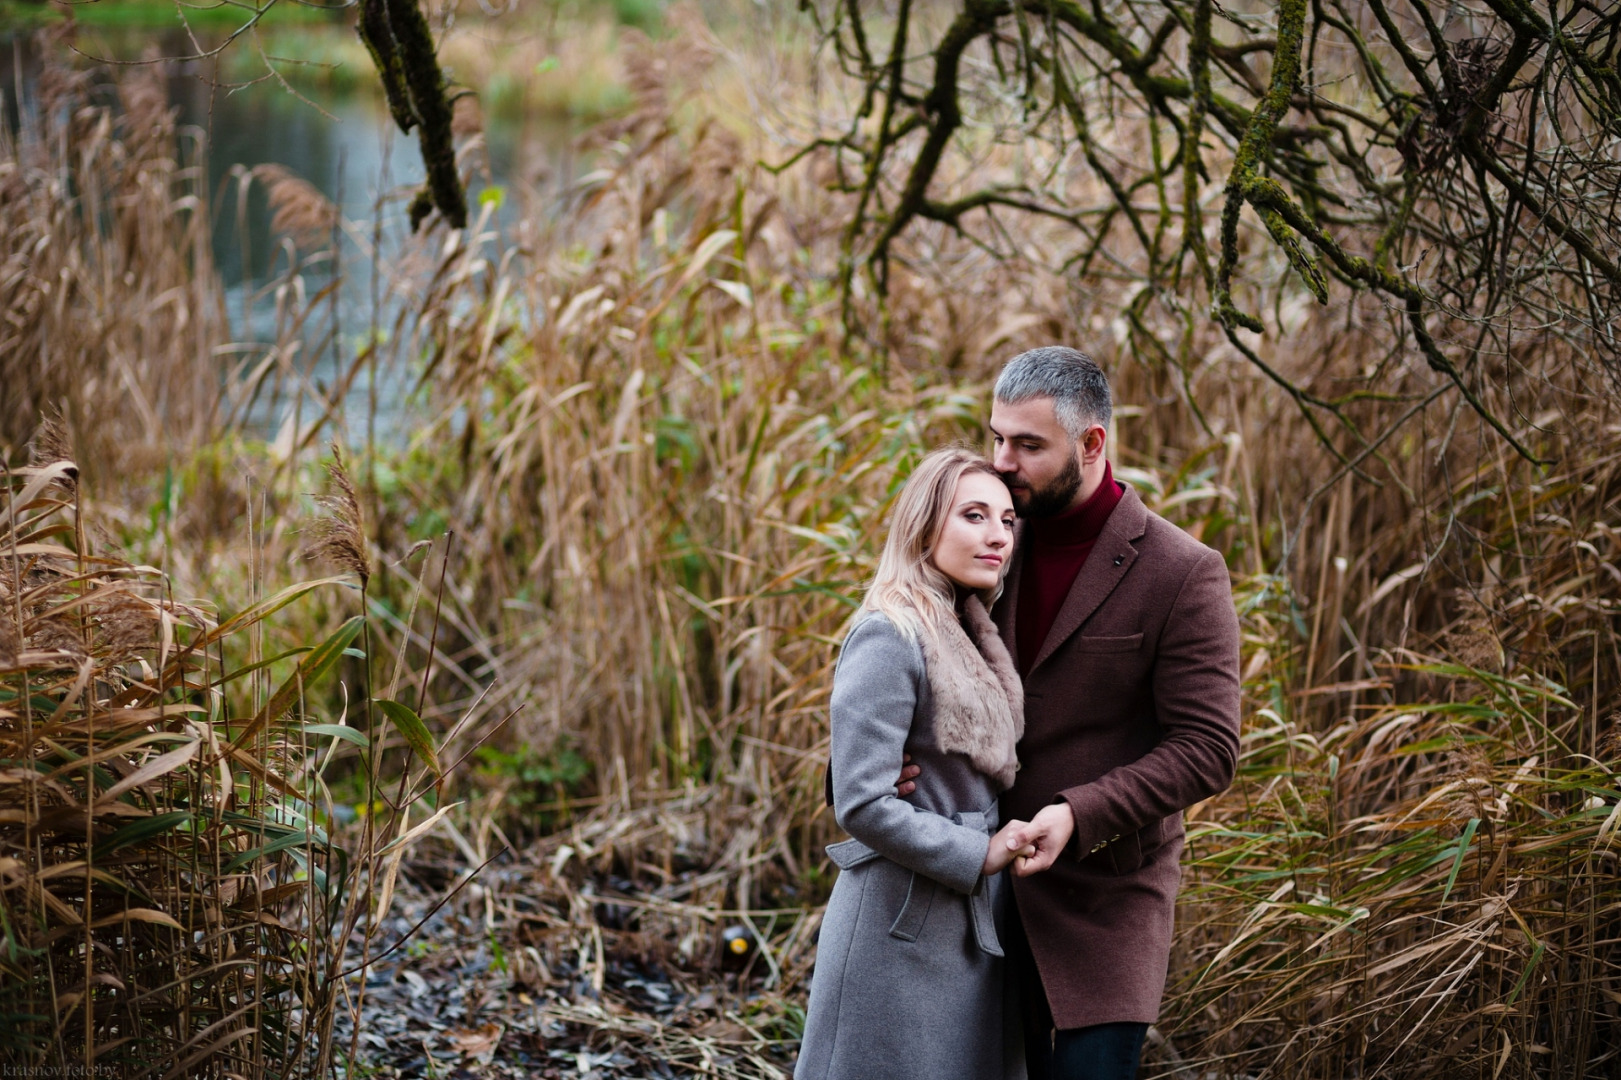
{"x": 597, "y": 479}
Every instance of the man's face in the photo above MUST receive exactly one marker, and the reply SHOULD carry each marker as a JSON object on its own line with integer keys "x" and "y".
{"x": 1038, "y": 460}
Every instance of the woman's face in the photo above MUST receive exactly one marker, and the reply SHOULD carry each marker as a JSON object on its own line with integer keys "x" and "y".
{"x": 977, "y": 536}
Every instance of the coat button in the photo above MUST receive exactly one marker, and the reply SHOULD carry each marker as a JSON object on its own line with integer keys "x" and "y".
{"x": 1118, "y": 559}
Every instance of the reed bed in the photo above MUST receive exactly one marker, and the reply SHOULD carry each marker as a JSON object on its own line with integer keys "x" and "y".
{"x": 104, "y": 208}
{"x": 666, "y": 468}
{"x": 172, "y": 898}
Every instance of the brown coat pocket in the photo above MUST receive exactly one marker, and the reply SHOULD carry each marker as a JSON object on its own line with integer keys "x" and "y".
{"x": 1102, "y": 643}
{"x": 1126, "y": 854}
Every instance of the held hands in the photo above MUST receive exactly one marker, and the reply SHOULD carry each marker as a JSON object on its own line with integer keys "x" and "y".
{"x": 1004, "y": 849}
{"x": 1030, "y": 847}
{"x": 1035, "y": 846}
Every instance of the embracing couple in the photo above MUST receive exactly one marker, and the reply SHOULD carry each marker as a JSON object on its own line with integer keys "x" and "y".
{"x": 1052, "y": 670}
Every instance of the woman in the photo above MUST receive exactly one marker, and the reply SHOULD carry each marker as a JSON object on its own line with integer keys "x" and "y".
{"x": 909, "y": 978}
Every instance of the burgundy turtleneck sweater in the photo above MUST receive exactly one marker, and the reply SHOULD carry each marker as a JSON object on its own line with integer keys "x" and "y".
{"x": 1055, "y": 550}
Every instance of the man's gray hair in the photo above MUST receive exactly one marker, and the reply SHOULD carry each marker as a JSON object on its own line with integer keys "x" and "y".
{"x": 1077, "y": 386}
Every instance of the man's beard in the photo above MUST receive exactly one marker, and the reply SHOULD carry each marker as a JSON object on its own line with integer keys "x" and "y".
{"x": 1055, "y": 498}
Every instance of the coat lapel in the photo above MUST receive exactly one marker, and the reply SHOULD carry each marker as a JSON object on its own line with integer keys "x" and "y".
{"x": 1111, "y": 557}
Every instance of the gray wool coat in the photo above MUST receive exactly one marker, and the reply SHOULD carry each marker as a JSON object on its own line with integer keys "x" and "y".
{"x": 909, "y": 969}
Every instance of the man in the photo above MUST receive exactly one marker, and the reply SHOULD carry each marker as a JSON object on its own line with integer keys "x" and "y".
{"x": 1123, "y": 628}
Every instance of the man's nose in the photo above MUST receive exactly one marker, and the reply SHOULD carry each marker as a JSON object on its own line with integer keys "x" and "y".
{"x": 1002, "y": 459}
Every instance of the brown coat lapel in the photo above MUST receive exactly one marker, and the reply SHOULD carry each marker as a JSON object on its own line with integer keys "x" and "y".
{"x": 1111, "y": 557}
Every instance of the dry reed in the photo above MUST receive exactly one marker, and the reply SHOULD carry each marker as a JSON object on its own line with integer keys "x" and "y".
{"x": 100, "y": 218}
{"x": 171, "y": 901}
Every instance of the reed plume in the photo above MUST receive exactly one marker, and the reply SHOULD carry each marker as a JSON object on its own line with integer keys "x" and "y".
{"x": 298, "y": 208}
{"x": 340, "y": 534}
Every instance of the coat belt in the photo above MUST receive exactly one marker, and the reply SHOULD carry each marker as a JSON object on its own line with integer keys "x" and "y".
{"x": 849, "y": 854}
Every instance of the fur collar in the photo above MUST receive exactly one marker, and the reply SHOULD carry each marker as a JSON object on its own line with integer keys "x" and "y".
{"x": 978, "y": 697}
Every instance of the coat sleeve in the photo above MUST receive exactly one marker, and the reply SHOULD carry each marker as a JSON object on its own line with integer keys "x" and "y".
{"x": 1195, "y": 684}
{"x": 875, "y": 694}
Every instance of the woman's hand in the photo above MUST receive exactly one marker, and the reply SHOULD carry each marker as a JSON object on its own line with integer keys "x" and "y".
{"x": 1006, "y": 846}
{"x": 1046, "y": 835}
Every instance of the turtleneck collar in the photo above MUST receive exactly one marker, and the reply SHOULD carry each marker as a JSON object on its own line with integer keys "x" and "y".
{"x": 1081, "y": 524}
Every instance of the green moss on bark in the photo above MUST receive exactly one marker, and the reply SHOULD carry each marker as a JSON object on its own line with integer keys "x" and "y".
{"x": 397, "y": 35}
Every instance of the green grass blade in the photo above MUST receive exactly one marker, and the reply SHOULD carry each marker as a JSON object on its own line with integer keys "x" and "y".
{"x": 144, "y": 829}
{"x": 340, "y": 731}
{"x": 316, "y": 663}
{"x": 1463, "y": 849}
{"x": 415, "y": 732}
{"x": 291, "y": 840}
{"x": 248, "y": 669}
{"x": 1525, "y": 977}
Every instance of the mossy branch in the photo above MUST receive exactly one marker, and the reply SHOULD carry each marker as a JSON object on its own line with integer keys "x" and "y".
{"x": 378, "y": 37}
{"x": 1462, "y": 114}
{"x": 397, "y": 35}
{"x": 1192, "y": 156}
{"x": 1253, "y": 153}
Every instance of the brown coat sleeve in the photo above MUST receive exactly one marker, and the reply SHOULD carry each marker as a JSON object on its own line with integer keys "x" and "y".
{"x": 1196, "y": 701}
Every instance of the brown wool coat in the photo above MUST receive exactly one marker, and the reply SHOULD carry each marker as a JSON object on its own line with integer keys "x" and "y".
{"x": 1131, "y": 716}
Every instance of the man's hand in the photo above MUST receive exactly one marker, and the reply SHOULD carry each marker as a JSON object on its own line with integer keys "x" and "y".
{"x": 1047, "y": 834}
{"x": 1003, "y": 850}
{"x": 904, "y": 785}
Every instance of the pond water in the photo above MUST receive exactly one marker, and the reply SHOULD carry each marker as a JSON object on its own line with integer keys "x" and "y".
{"x": 344, "y": 143}
{"x": 358, "y": 158}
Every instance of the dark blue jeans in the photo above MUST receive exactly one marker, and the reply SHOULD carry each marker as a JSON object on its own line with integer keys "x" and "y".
{"x": 1100, "y": 1052}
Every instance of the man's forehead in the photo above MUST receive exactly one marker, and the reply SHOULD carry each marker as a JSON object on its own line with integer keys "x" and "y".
{"x": 1033, "y": 417}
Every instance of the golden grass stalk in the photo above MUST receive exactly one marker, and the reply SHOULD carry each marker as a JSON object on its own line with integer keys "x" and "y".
{"x": 340, "y": 533}
{"x": 298, "y": 208}
{"x": 107, "y": 291}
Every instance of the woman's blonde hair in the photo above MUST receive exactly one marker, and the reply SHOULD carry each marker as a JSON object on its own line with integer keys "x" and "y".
{"x": 917, "y": 597}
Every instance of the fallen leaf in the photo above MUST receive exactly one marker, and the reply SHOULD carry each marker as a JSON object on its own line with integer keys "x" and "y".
{"x": 479, "y": 1042}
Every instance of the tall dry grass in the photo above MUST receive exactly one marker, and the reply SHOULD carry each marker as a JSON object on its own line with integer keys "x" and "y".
{"x": 174, "y": 897}
{"x": 1416, "y": 872}
{"x": 112, "y": 309}
{"x": 666, "y": 470}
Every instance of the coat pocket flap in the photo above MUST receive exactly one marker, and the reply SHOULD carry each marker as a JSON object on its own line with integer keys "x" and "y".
{"x": 919, "y": 898}
{"x": 1102, "y": 643}
{"x": 849, "y": 854}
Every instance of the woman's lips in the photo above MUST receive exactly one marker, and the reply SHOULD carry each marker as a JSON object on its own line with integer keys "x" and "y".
{"x": 996, "y": 559}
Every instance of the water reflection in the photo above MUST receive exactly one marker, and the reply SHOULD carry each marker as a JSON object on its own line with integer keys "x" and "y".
{"x": 346, "y": 145}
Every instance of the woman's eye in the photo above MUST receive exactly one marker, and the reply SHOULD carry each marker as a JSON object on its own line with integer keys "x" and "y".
{"x": 975, "y": 515}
